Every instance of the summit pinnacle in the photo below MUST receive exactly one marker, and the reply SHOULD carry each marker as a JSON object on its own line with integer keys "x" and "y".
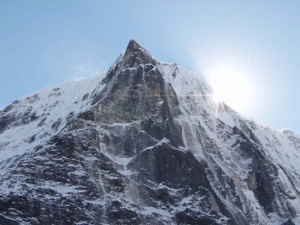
{"x": 135, "y": 55}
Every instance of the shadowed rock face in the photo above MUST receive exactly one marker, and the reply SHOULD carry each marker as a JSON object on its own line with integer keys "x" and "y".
{"x": 135, "y": 153}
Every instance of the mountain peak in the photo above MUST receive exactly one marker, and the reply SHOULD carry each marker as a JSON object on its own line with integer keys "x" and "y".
{"x": 135, "y": 55}
{"x": 147, "y": 145}
{"x": 133, "y": 45}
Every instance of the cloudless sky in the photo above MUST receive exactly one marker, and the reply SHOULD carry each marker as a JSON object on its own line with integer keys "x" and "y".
{"x": 53, "y": 41}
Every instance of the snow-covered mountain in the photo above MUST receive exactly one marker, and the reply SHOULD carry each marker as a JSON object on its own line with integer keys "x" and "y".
{"x": 142, "y": 144}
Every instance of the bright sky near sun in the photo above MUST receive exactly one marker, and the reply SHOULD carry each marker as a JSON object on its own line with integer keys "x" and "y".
{"x": 248, "y": 50}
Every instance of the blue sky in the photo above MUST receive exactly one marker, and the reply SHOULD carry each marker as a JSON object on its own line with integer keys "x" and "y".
{"x": 53, "y": 41}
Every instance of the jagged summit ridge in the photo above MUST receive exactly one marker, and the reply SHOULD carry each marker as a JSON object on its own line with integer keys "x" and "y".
{"x": 144, "y": 143}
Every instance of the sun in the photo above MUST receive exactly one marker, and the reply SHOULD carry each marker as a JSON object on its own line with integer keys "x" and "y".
{"x": 231, "y": 88}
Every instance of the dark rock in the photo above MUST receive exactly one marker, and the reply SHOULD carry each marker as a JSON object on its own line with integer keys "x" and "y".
{"x": 5, "y": 121}
{"x": 42, "y": 122}
{"x": 170, "y": 166}
{"x": 85, "y": 97}
{"x": 288, "y": 222}
{"x": 193, "y": 217}
{"x": 87, "y": 115}
{"x": 56, "y": 124}
{"x": 118, "y": 214}
{"x": 7, "y": 221}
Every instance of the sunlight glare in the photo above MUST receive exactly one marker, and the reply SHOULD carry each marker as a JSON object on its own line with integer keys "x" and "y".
{"x": 231, "y": 88}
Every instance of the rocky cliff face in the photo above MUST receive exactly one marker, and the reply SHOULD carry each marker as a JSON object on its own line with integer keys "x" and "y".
{"x": 142, "y": 144}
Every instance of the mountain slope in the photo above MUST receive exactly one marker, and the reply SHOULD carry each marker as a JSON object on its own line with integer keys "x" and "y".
{"x": 142, "y": 144}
